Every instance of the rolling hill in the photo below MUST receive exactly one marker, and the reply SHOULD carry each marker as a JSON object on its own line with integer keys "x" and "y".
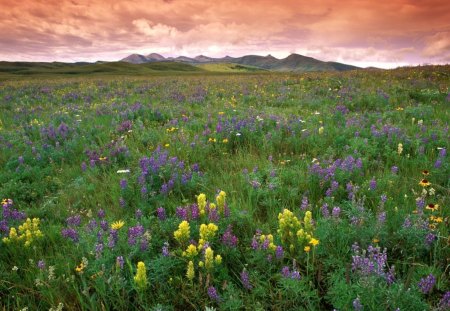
{"x": 292, "y": 63}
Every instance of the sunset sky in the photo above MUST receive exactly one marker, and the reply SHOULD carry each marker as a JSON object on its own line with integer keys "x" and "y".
{"x": 383, "y": 33}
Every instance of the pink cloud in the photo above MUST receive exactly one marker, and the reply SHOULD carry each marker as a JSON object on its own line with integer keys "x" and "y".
{"x": 354, "y": 31}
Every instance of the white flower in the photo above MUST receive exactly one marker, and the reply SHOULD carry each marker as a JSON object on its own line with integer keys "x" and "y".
{"x": 123, "y": 171}
{"x": 238, "y": 134}
{"x": 15, "y": 268}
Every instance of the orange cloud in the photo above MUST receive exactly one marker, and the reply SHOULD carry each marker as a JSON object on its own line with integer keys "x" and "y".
{"x": 354, "y": 31}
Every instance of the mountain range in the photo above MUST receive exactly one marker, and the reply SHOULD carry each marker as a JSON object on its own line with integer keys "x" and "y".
{"x": 292, "y": 63}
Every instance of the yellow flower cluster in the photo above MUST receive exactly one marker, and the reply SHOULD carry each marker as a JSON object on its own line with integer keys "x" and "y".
{"x": 269, "y": 237}
{"x": 140, "y": 279}
{"x": 171, "y": 129}
{"x": 210, "y": 261}
{"x": 288, "y": 225}
{"x": 295, "y": 234}
{"x": 183, "y": 233}
{"x": 220, "y": 199}
{"x": 190, "y": 273}
{"x": 27, "y": 232}
{"x": 201, "y": 202}
{"x": 207, "y": 232}
{"x": 191, "y": 251}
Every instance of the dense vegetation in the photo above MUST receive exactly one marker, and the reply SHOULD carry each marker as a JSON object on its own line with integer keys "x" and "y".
{"x": 233, "y": 192}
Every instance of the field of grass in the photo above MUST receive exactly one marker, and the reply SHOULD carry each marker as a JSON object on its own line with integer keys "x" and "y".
{"x": 253, "y": 191}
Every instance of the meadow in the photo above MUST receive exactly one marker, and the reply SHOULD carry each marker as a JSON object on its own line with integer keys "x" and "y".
{"x": 253, "y": 191}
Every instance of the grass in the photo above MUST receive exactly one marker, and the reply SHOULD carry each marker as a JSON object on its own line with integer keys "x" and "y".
{"x": 344, "y": 152}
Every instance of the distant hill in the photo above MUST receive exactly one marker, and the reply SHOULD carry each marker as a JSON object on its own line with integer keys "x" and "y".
{"x": 292, "y": 63}
{"x": 106, "y": 68}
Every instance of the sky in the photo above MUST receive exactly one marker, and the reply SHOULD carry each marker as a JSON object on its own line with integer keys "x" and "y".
{"x": 382, "y": 33}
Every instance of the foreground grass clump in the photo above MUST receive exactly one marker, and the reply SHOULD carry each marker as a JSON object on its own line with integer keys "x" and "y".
{"x": 251, "y": 191}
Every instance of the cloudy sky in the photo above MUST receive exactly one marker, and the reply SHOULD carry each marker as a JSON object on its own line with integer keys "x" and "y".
{"x": 384, "y": 33}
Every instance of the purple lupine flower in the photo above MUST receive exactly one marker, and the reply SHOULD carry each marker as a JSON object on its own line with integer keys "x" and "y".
{"x": 295, "y": 275}
{"x": 394, "y": 169}
{"x": 228, "y": 238}
{"x": 407, "y": 223}
{"x": 429, "y": 239}
{"x": 138, "y": 214}
{"x": 373, "y": 184}
{"x": 73, "y": 221}
{"x": 444, "y": 304}
{"x": 101, "y": 214}
{"x": 357, "y": 306}
{"x": 426, "y": 284}
{"x": 336, "y": 211}
{"x": 119, "y": 262}
{"x": 98, "y": 250}
{"x": 165, "y": 250}
{"x": 438, "y": 163}
{"x": 245, "y": 280}
{"x": 382, "y": 217}
{"x": 70, "y": 233}
{"x": 161, "y": 212}
{"x": 41, "y": 264}
{"x": 213, "y": 215}
{"x": 212, "y": 293}
{"x": 285, "y": 272}
{"x": 83, "y": 166}
{"x": 305, "y": 203}
{"x": 390, "y": 276}
{"x": 122, "y": 202}
{"x": 383, "y": 198}
{"x": 104, "y": 225}
{"x": 195, "y": 212}
{"x": 255, "y": 244}
{"x": 279, "y": 252}
{"x": 442, "y": 153}
{"x": 182, "y": 213}
{"x": 123, "y": 184}
{"x": 325, "y": 211}
{"x": 144, "y": 244}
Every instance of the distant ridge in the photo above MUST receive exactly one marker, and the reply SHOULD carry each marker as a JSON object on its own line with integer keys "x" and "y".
{"x": 292, "y": 63}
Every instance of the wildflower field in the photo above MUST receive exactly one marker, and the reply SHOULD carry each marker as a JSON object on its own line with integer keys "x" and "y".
{"x": 263, "y": 191}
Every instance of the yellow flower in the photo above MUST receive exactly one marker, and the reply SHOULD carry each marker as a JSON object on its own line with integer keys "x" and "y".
{"x": 321, "y": 129}
{"x": 140, "y": 279}
{"x": 314, "y": 242}
{"x": 166, "y": 145}
{"x": 432, "y": 207}
{"x": 207, "y": 232}
{"x": 425, "y": 173}
{"x": 220, "y": 199}
{"x": 103, "y": 158}
{"x": 80, "y": 268}
{"x": 218, "y": 259}
{"x": 221, "y": 113}
{"x": 117, "y": 225}
{"x": 190, "y": 273}
{"x": 375, "y": 240}
{"x": 191, "y": 251}
{"x": 201, "y": 202}
{"x": 209, "y": 258}
{"x": 225, "y": 140}
{"x": 424, "y": 183}
{"x": 307, "y": 248}
{"x": 183, "y": 233}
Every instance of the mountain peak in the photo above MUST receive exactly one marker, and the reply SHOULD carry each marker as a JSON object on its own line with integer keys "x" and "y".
{"x": 292, "y": 63}
{"x": 155, "y": 56}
